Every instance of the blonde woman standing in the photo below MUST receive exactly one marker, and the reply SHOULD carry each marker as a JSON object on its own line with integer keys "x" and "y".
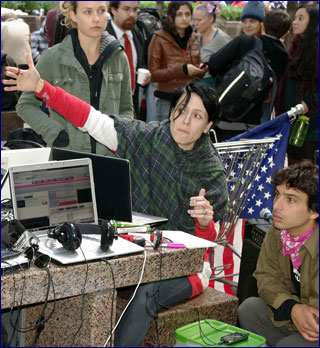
{"x": 90, "y": 64}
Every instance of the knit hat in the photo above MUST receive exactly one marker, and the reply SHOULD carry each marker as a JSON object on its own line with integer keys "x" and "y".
{"x": 254, "y": 10}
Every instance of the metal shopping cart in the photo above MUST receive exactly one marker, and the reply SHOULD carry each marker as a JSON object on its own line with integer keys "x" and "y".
{"x": 246, "y": 161}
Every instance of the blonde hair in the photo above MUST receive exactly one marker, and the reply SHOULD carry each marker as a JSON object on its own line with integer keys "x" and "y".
{"x": 66, "y": 7}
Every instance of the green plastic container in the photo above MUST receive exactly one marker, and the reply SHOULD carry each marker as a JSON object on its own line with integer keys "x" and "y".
{"x": 211, "y": 331}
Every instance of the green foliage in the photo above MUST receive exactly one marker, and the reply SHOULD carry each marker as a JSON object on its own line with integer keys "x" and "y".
{"x": 143, "y": 4}
{"x": 231, "y": 13}
{"x": 29, "y": 6}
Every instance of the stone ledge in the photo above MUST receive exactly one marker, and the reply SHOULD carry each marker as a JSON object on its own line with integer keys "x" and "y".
{"x": 212, "y": 304}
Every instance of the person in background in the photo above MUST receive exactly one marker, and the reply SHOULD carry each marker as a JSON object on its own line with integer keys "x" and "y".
{"x": 174, "y": 56}
{"x": 252, "y": 17}
{"x": 88, "y": 63}
{"x": 278, "y": 5}
{"x": 287, "y": 311}
{"x": 123, "y": 27}
{"x": 39, "y": 42}
{"x": 300, "y": 82}
{"x": 211, "y": 38}
{"x": 8, "y": 99}
{"x": 51, "y": 19}
{"x": 15, "y": 38}
{"x": 275, "y": 25}
{"x": 238, "y": 3}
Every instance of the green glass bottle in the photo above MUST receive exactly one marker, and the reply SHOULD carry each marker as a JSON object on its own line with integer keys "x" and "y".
{"x": 299, "y": 131}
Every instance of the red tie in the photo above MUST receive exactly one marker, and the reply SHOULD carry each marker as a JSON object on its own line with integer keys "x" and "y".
{"x": 128, "y": 50}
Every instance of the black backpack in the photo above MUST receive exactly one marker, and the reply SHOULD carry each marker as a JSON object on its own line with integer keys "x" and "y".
{"x": 246, "y": 84}
{"x": 149, "y": 21}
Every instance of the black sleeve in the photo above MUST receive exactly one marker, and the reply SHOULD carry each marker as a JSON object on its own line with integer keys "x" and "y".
{"x": 140, "y": 44}
{"x": 284, "y": 311}
{"x": 229, "y": 54}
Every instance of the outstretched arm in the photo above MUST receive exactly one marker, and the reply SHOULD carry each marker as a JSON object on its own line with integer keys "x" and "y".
{"x": 75, "y": 110}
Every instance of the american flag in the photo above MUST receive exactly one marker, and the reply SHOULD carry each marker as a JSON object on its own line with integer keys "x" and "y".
{"x": 260, "y": 195}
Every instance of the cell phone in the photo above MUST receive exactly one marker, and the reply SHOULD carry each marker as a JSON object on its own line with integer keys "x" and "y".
{"x": 234, "y": 337}
{"x": 203, "y": 65}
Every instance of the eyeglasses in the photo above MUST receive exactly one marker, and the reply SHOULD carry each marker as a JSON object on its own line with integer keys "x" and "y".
{"x": 40, "y": 261}
{"x": 129, "y": 9}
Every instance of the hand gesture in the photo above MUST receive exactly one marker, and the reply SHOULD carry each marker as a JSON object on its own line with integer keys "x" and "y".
{"x": 303, "y": 317}
{"x": 23, "y": 80}
{"x": 194, "y": 71}
{"x": 202, "y": 209}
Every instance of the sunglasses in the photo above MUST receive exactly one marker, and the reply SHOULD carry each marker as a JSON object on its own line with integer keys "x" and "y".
{"x": 41, "y": 260}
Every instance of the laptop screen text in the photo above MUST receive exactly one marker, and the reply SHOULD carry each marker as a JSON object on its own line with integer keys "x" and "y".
{"x": 49, "y": 197}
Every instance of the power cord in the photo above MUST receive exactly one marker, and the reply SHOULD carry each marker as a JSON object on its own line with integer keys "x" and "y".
{"x": 128, "y": 304}
{"x": 83, "y": 299}
{"x": 203, "y": 335}
{"x": 113, "y": 295}
{"x": 40, "y": 322}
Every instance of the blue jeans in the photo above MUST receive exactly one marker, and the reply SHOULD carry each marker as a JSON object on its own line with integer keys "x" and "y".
{"x": 163, "y": 109}
{"x": 149, "y": 299}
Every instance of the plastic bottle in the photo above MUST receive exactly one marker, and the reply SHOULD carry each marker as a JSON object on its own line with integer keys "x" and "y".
{"x": 299, "y": 131}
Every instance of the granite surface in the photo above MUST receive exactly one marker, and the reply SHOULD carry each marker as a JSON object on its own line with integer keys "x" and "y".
{"x": 86, "y": 291}
{"x": 69, "y": 280}
{"x": 211, "y": 304}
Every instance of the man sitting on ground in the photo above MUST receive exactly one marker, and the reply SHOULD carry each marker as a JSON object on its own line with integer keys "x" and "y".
{"x": 287, "y": 311}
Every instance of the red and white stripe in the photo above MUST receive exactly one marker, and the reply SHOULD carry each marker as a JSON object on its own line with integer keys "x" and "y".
{"x": 224, "y": 256}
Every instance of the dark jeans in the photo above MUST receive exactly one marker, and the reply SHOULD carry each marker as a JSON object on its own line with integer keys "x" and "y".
{"x": 149, "y": 299}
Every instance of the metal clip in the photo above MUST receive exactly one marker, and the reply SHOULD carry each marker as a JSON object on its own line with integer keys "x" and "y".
{"x": 295, "y": 111}
{"x": 25, "y": 240}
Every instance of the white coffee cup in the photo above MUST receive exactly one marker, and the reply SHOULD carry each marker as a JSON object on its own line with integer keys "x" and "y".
{"x": 142, "y": 74}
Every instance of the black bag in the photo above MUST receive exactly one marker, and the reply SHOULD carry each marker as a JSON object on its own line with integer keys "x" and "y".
{"x": 10, "y": 232}
{"x": 148, "y": 22}
{"x": 250, "y": 89}
{"x": 22, "y": 138}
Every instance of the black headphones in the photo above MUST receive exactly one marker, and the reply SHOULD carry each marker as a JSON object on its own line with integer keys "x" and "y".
{"x": 70, "y": 234}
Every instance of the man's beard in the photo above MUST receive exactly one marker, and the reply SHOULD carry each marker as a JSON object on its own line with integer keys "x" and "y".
{"x": 128, "y": 24}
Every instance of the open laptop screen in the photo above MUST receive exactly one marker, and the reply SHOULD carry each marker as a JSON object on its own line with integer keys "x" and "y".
{"x": 50, "y": 194}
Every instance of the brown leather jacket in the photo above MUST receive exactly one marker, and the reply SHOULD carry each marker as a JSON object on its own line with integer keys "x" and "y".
{"x": 166, "y": 60}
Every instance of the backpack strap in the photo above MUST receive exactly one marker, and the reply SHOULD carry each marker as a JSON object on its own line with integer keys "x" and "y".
{"x": 259, "y": 45}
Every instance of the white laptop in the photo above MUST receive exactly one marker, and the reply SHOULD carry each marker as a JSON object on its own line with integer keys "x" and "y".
{"x": 45, "y": 195}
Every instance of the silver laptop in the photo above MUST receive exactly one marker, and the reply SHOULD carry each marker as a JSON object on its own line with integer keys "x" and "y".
{"x": 48, "y": 194}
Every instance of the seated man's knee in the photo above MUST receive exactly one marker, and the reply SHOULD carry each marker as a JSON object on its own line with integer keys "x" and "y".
{"x": 248, "y": 308}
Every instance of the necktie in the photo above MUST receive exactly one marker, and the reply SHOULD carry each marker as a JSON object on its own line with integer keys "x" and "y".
{"x": 128, "y": 51}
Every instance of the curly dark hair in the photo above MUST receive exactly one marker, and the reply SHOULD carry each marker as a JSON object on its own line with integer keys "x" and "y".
{"x": 302, "y": 65}
{"x": 302, "y": 176}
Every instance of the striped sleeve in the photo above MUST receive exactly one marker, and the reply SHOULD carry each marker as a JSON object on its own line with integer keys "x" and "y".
{"x": 81, "y": 114}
